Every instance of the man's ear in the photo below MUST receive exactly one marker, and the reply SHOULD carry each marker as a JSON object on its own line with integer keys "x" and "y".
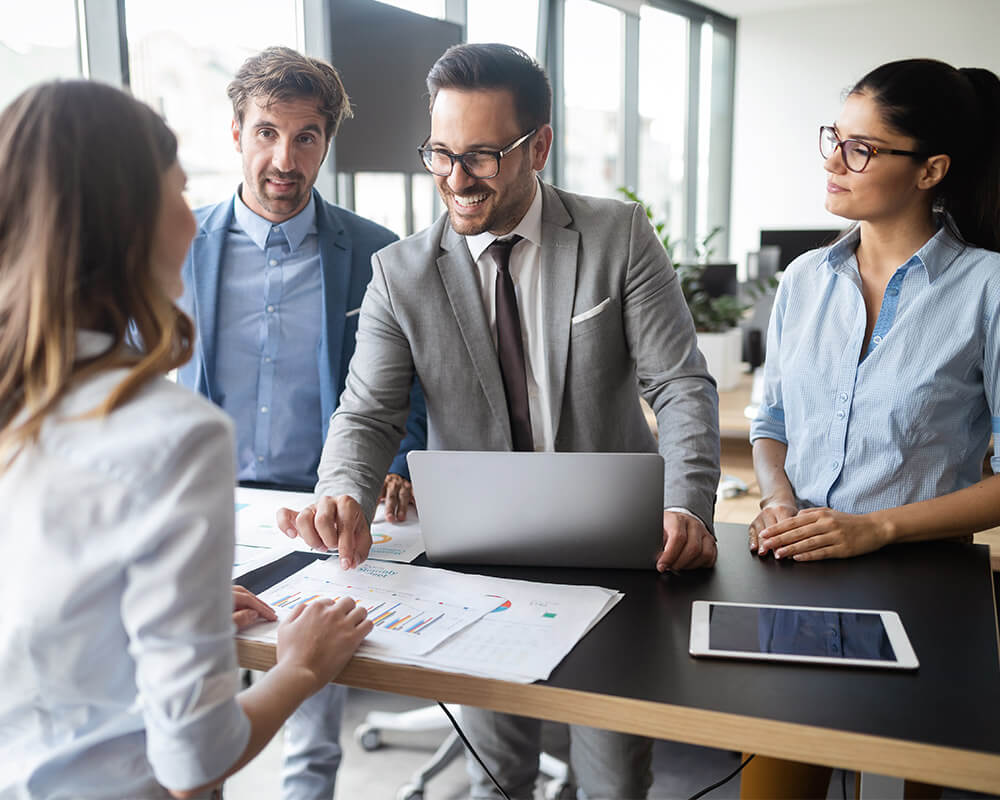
{"x": 540, "y": 145}
{"x": 236, "y": 136}
{"x": 935, "y": 168}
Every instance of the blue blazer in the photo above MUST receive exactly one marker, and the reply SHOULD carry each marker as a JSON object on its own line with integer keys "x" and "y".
{"x": 346, "y": 244}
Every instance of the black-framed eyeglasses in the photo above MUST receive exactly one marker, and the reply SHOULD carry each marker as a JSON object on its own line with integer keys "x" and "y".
{"x": 855, "y": 153}
{"x": 476, "y": 163}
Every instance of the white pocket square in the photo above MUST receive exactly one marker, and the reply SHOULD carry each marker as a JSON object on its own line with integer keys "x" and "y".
{"x": 592, "y": 312}
{"x": 353, "y": 312}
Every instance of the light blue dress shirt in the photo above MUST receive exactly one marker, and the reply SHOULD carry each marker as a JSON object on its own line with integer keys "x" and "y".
{"x": 911, "y": 420}
{"x": 269, "y": 327}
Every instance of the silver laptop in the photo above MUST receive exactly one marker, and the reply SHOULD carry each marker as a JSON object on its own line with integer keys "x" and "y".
{"x": 540, "y": 509}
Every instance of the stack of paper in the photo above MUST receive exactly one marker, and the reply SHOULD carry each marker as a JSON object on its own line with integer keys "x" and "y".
{"x": 259, "y": 541}
{"x": 491, "y": 627}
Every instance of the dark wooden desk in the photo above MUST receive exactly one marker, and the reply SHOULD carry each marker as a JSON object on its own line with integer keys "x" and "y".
{"x": 940, "y": 724}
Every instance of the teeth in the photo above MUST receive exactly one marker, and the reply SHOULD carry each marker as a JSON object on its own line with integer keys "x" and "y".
{"x": 468, "y": 202}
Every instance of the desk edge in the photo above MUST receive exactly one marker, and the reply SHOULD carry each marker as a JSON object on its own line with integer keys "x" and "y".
{"x": 946, "y": 766}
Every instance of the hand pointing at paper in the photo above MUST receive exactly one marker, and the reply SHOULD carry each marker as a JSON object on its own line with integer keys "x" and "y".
{"x": 331, "y": 523}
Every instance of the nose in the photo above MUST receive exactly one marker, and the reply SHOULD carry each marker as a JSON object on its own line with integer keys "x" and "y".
{"x": 282, "y": 156}
{"x": 459, "y": 179}
{"x": 835, "y": 162}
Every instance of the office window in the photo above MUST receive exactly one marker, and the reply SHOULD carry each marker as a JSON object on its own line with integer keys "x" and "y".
{"x": 381, "y": 197}
{"x": 38, "y": 42}
{"x": 593, "y": 79}
{"x": 663, "y": 93}
{"x": 513, "y": 22}
{"x": 182, "y": 56}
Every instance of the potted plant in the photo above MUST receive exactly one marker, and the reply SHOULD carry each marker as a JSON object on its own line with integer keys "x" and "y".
{"x": 716, "y": 316}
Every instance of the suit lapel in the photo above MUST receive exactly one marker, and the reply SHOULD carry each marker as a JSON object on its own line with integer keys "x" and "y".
{"x": 335, "y": 267}
{"x": 461, "y": 281}
{"x": 206, "y": 269}
{"x": 558, "y": 279}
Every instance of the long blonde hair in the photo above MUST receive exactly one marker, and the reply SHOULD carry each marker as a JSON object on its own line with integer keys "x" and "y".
{"x": 82, "y": 165}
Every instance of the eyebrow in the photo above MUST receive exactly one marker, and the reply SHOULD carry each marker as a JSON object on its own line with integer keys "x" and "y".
{"x": 863, "y": 137}
{"x": 312, "y": 127}
{"x": 473, "y": 149}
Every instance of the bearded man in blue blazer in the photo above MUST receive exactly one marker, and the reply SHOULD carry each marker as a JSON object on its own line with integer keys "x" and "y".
{"x": 274, "y": 281}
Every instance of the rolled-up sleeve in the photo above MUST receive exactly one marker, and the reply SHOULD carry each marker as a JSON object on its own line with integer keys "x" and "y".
{"x": 991, "y": 377}
{"x": 177, "y": 610}
{"x": 770, "y": 420}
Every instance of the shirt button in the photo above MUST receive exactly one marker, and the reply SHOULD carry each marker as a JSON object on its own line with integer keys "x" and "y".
{"x": 841, "y": 414}
{"x": 843, "y": 397}
{"x": 267, "y": 359}
{"x": 276, "y": 228}
{"x": 263, "y": 409}
{"x": 270, "y": 309}
{"x": 835, "y": 465}
{"x": 892, "y": 292}
{"x": 260, "y": 459}
{"x": 273, "y": 262}
{"x": 877, "y": 339}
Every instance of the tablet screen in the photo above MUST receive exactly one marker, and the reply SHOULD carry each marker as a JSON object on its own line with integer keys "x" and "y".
{"x": 799, "y": 632}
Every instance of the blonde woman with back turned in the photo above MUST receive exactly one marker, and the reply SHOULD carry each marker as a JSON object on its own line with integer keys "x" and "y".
{"x": 116, "y": 486}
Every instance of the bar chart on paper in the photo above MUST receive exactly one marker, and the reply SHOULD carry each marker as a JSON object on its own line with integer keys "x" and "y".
{"x": 410, "y": 620}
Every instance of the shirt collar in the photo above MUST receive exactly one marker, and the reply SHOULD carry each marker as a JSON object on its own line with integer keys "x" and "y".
{"x": 257, "y": 228}
{"x": 936, "y": 255}
{"x": 92, "y": 343}
{"x": 530, "y": 228}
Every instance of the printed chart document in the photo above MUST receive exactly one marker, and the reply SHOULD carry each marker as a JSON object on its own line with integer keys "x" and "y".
{"x": 492, "y": 627}
{"x": 530, "y": 630}
{"x": 259, "y": 540}
{"x": 413, "y": 612}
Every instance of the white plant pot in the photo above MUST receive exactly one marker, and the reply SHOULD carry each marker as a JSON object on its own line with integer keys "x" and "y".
{"x": 724, "y": 353}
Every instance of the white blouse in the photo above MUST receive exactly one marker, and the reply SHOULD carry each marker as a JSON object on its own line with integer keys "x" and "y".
{"x": 117, "y": 664}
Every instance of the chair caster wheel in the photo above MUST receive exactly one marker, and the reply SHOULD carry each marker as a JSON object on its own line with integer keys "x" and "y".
{"x": 369, "y": 738}
{"x": 410, "y": 792}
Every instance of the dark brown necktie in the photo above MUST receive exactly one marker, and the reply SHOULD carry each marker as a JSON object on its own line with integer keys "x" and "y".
{"x": 510, "y": 348}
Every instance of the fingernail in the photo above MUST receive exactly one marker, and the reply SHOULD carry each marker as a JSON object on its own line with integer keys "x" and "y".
{"x": 345, "y": 562}
{"x": 777, "y": 554}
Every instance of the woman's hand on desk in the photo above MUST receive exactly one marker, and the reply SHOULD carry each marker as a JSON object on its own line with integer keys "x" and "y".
{"x": 248, "y": 609}
{"x": 320, "y": 637}
{"x": 816, "y": 533}
{"x": 771, "y": 514}
{"x": 331, "y": 523}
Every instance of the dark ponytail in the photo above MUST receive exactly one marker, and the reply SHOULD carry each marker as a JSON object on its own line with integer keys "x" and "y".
{"x": 955, "y": 112}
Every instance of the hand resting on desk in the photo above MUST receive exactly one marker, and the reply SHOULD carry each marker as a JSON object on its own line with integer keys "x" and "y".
{"x": 816, "y": 533}
{"x": 249, "y": 609}
{"x": 397, "y": 492}
{"x": 330, "y": 522}
{"x": 687, "y": 544}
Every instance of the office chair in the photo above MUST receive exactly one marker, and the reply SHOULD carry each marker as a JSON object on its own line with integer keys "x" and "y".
{"x": 368, "y": 734}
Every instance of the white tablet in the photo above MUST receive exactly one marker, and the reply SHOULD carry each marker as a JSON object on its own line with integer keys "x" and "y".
{"x": 845, "y": 636}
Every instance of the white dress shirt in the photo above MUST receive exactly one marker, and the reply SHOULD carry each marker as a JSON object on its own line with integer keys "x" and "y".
{"x": 116, "y": 634}
{"x": 526, "y": 271}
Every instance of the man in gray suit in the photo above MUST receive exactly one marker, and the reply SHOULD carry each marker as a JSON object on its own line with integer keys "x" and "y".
{"x": 545, "y": 343}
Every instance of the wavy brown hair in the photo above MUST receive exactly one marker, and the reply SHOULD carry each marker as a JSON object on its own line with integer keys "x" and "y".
{"x": 82, "y": 165}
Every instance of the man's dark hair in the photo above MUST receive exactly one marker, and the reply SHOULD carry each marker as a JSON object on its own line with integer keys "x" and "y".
{"x": 496, "y": 66}
{"x": 279, "y": 74}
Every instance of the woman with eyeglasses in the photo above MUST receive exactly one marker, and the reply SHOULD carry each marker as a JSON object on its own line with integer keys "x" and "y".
{"x": 116, "y": 485}
{"x": 882, "y": 378}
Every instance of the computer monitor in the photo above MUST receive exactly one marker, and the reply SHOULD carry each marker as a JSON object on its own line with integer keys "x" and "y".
{"x": 794, "y": 242}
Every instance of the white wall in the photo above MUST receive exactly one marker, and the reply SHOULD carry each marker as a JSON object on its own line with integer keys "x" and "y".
{"x": 792, "y": 69}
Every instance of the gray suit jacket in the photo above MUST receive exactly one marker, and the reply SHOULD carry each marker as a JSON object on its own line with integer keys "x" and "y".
{"x": 423, "y": 311}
